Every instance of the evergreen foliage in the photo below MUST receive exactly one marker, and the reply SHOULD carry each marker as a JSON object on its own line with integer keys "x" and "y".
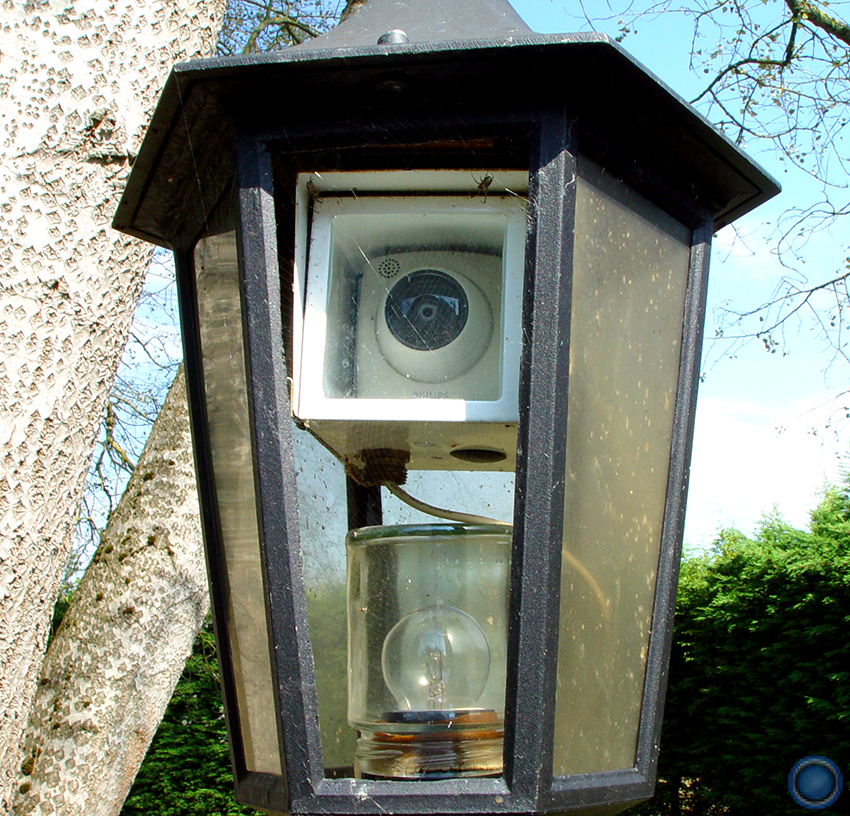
{"x": 760, "y": 670}
{"x": 187, "y": 769}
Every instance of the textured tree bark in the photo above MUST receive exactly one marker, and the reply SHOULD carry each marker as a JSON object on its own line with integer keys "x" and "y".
{"x": 112, "y": 665}
{"x": 77, "y": 83}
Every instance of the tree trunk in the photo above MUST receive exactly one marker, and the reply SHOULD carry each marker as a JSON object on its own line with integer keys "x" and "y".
{"x": 675, "y": 784}
{"x": 112, "y": 665}
{"x": 77, "y": 85}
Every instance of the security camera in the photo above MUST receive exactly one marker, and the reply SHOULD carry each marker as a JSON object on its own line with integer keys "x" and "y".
{"x": 407, "y": 314}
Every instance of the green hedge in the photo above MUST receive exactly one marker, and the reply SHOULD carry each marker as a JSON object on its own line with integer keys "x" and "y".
{"x": 760, "y": 669}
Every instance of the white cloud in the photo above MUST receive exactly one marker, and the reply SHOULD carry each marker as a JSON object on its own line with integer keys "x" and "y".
{"x": 749, "y": 457}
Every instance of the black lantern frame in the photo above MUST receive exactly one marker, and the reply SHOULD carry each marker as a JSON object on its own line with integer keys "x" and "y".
{"x": 220, "y": 148}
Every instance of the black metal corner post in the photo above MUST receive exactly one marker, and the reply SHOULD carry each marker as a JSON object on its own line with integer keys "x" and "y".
{"x": 291, "y": 657}
{"x": 541, "y": 463}
{"x": 658, "y": 658}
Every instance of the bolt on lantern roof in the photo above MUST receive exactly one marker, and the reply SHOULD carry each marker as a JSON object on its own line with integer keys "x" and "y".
{"x": 432, "y": 262}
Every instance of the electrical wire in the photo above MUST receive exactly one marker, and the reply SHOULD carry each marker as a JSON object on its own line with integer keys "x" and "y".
{"x": 439, "y": 512}
{"x": 470, "y": 518}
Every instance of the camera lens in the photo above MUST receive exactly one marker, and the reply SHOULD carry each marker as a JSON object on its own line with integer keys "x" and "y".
{"x": 426, "y": 310}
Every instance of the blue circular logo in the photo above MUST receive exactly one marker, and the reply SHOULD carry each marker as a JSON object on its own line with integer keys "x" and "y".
{"x": 815, "y": 782}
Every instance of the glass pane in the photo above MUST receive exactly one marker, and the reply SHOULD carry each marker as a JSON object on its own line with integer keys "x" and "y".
{"x": 217, "y": 279}
{"x": 415, "y": 301}
{"x": 630, "y": 275}
{"x": 323, "y": 528}
{"x": 406, "y": 337}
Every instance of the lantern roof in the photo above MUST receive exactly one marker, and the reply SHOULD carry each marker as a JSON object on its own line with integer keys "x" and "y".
{"x": 430, "y": 21}
{"x": 628, "y": 120}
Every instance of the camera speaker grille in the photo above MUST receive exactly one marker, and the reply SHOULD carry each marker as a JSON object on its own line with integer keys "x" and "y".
{"x": 389, "y": 268}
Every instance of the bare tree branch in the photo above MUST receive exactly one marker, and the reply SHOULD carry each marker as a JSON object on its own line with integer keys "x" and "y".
{"x": 351, "y": 6}
{"x": 281, "y": 21}
{"x": 803, "y": 10}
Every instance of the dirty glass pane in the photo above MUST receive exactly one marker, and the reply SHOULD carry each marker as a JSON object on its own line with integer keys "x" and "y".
{"x": 407, "y": 336}
{"x": 323, "y": 527}
{"x": 217, "y": 280}
{"x": 414, "y": 301}
{"x": 631, "y": 269}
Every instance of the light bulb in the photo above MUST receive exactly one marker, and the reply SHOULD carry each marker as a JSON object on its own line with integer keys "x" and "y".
{"x": 436, "y": 658}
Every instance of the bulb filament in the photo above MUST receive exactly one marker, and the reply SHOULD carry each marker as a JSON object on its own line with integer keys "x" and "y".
{"x": 436, "y": 650}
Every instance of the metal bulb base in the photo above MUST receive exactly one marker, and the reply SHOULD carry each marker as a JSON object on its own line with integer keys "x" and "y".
{"x": 432, "y": 745}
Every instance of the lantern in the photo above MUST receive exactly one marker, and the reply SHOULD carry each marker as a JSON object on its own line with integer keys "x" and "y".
{"x": 432, "y": 262}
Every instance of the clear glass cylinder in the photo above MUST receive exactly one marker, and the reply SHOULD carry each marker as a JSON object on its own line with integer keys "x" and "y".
{"x": 427, "y": 638}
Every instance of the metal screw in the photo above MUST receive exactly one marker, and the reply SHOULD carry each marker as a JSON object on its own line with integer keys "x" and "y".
{"x": 394, "y": 37}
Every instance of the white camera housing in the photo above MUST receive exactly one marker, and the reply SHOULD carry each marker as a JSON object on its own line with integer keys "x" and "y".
{"x": 407, "y": 314}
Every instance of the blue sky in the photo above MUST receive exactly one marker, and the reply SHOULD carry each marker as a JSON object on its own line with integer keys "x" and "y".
{"x": 761, "y": 437}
